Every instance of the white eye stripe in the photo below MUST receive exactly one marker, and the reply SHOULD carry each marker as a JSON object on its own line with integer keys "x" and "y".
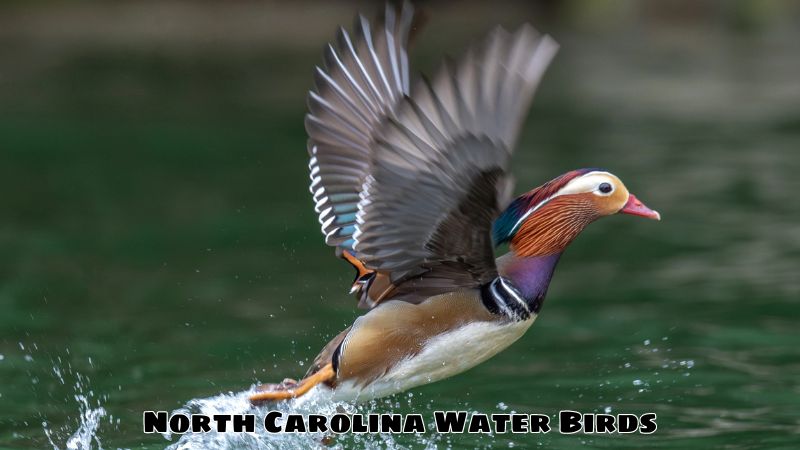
{"x": 589, "y": 182}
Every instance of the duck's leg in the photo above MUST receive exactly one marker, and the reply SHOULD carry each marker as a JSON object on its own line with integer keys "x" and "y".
{"x": 286, "y": 391}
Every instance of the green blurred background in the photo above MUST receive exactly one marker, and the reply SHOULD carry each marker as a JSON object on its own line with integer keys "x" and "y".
{"x": 158, "y": 242}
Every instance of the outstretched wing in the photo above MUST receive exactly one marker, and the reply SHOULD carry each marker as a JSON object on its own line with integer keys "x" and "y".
{"x": 439, "y": 172}
{"x": 362, "y": 81}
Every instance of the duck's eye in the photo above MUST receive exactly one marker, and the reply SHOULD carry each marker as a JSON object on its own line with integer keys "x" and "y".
{"x": 605, "y": 188}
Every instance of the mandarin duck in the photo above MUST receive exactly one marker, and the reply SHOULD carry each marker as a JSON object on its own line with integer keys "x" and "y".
{"x": 412, "y": 187}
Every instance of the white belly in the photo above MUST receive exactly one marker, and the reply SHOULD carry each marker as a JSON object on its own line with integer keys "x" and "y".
{"x": 444, "y": 355}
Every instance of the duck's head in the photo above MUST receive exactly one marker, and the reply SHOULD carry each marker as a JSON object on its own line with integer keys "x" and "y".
{"x": 545, "y": 220}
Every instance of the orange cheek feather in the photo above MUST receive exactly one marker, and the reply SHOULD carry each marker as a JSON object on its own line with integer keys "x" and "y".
{"x": 550, "y": 229}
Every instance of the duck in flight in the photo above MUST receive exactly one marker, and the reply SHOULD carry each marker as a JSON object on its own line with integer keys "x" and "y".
{"x": 412, "y": 186}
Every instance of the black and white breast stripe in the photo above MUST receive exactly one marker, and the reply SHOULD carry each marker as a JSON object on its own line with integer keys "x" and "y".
{"x": 500, "y": 296}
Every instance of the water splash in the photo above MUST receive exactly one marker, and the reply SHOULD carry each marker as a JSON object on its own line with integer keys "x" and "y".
{"x": 91, "y": 413}
{"x": 317, "y": 401}
{"x": 86, "y": 435}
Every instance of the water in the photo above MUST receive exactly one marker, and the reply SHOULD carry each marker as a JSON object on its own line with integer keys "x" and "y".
{"x": 315, "y": 403}
{"x": 158, "y": 249}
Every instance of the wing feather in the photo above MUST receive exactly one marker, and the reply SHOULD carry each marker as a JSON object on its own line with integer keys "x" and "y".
{"x": 439, "y": 174}
{"x": 361, "y": 81}
{"x": 410, "y": 181}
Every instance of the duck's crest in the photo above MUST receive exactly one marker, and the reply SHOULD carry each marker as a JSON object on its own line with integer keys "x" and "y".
{"x": 507, "y": 224}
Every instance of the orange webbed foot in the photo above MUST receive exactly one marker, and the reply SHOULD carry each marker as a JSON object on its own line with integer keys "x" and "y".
{"x": 290, "y": 388}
